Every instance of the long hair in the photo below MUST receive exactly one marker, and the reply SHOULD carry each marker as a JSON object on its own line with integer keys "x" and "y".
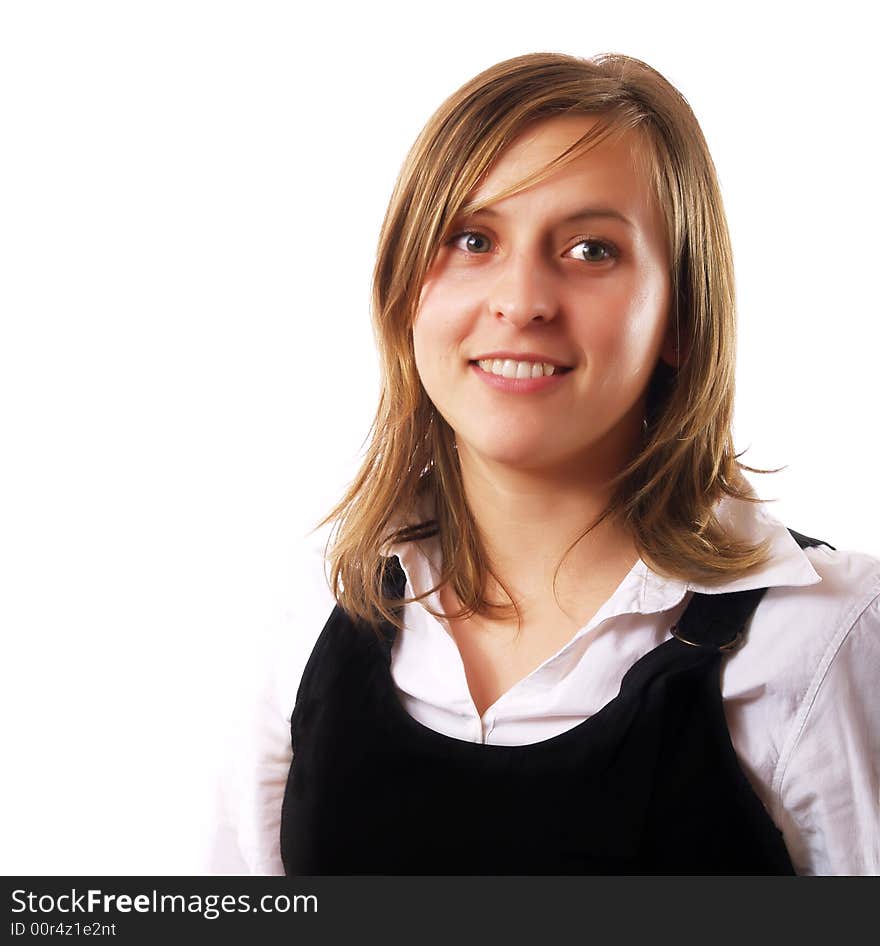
{"x": 666, "y": 495}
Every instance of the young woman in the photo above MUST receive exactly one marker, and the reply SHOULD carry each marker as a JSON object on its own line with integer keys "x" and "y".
{"x": 560, "y": 632}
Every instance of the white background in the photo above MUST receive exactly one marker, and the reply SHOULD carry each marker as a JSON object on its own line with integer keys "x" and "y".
{"x": 190, "y": 197}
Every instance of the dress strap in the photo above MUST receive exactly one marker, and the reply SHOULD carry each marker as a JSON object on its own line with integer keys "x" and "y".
{"x": 719, "y": 621}
{"x": 393, "y": 578}
{"x": 805, "y": 542}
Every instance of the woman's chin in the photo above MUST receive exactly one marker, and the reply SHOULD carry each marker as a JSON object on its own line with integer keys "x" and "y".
{"x": 520, "y": 455}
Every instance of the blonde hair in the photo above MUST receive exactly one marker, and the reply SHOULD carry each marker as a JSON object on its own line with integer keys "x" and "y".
{"x": 666, "y": 495}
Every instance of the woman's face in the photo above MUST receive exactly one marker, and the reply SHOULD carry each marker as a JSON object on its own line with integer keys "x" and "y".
{"x": 571, "y": 271}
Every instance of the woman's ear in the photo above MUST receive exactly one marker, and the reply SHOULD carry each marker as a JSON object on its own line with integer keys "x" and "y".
{"x": 675, "y": 349}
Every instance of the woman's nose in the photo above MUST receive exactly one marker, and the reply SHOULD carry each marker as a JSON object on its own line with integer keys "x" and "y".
{"x": 523, "y": 290}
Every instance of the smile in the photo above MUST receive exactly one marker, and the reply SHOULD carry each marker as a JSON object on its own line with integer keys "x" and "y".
{"x": 508, "y": 368}
{"x": 511, "y": 376}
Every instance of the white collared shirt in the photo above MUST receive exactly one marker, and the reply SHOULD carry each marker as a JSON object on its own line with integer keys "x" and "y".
{"x": 800, "y": 697}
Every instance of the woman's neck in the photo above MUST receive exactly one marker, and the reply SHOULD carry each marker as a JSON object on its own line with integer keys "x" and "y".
{"x": 528, "y": 521}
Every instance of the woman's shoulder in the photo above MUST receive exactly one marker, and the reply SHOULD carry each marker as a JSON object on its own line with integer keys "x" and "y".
{"x": 844, "y": 593}
{"x": 252, "y": 775}
{"x": 801, "y": 698}
{"x": 842, "y": 568}
{"x": 822, "y": 653}
{"x": 816, "y": 588}
{"x": 305, "y": 604}
{"x": 821, "y": 606}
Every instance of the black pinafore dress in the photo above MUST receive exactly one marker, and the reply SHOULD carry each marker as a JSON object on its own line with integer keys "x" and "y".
{"x": 650, "y": 784}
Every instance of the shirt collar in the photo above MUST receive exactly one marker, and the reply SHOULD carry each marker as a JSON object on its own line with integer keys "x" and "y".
{"x": 644, "y": 590}
{"x": 786, "y": 564}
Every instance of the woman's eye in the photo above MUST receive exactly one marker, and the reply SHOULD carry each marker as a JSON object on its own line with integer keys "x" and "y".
{"x": 594, "y": 251}
{"x": 471, "y": 242}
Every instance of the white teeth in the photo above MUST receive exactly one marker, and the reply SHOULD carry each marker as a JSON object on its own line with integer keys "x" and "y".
{"x": 507, "y": 368}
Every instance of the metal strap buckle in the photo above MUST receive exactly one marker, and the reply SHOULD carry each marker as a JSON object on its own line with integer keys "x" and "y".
{"x": 730, "y": 645}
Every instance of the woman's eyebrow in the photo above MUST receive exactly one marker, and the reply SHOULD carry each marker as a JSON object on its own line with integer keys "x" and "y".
{"x": 585, "y": 213}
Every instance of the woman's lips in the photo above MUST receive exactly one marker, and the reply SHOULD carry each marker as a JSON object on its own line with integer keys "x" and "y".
{"x": 520, "y": 385}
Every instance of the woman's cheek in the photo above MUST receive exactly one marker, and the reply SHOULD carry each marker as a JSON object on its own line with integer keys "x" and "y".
{"x": 433, "y": 344}
{"x": 627, "y": 325}
{"x": 444, "y": 317}
{"x": 604, "y": 329}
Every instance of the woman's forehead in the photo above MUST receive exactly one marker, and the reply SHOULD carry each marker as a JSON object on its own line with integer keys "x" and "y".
{"x": 607, "y": 171}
